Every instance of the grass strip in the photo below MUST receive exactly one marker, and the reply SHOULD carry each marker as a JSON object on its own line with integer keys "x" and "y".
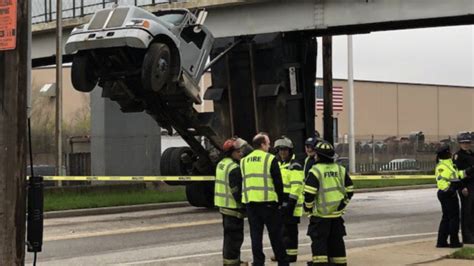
{"x": 466, "y": 253}
{"x": 57, "y": 201}
{"x": 391, "y": 183}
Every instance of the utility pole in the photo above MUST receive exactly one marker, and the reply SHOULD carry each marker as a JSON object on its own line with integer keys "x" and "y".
{"x": 13, "y": 104}
{"x": 350, "y": 81}
{"x": 328, "y": 121}
{"x": 59, "y": 88}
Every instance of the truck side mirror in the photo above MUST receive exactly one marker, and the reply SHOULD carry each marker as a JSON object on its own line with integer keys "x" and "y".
{"x": 202, "y": 15}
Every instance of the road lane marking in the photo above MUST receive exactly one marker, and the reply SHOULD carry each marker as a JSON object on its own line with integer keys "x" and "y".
{"x": 266, "y": 248}
{"x": 133, "y": 230}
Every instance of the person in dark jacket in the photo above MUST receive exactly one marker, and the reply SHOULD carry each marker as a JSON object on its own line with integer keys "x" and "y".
{"x": 463, "y": 159}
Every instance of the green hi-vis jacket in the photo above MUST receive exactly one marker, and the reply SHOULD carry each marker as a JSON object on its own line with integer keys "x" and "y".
{"x": 447, "y": 172}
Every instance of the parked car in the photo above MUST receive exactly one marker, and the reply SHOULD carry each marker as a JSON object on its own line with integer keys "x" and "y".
{"x": 140, "y": 58}
{"x": 344, "y": 161}
{"x": 400, "y": 165}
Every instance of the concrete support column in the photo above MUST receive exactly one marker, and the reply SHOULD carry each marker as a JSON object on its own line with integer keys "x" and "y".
{"x": 122, "y": 143}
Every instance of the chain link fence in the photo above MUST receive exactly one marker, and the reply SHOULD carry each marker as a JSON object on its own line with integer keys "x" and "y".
{"x": 413, "y": 153}
{"x": 45, "y": 10}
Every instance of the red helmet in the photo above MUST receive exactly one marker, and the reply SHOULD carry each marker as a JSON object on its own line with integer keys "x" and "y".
{"x": 233, "y": 144}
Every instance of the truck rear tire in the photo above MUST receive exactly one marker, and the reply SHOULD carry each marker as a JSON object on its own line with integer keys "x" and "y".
{"x": 82, "y": 72}
{"x": 171, "y": 164}
{"x": 156, "y": 69}
{"x": 200, "y": 194}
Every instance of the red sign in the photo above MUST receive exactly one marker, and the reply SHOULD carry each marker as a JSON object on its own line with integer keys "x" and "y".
{"x": 7, "y": 24}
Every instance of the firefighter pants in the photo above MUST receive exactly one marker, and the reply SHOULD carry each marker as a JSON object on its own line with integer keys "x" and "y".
{"x": 290, "y": 238}
{"x": 449, "y": 225}
{"x": 261, "y": 215}
{"x": 233, "y": 239}
{"x": 327, "y": 243}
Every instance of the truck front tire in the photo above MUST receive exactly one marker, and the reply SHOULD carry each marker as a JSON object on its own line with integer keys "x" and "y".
{"x": 156, "y": 69}
{"x": 82, "y": 73}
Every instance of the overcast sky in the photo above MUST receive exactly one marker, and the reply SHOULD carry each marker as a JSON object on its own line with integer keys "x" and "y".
{"x": 434, "y": 56}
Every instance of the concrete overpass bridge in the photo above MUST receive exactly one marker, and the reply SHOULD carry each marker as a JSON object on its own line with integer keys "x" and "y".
{"x": 248, "y": 17}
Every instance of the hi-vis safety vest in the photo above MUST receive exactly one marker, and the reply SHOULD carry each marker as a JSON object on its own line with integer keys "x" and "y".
{"x": 257, "y": 183}
{"x": 285, "y": 174}
{"x": 447, "y": 172}
{"x": 296, "y": 192}
{"x": 222, "y": 191}
{"x": 332, "y": 190}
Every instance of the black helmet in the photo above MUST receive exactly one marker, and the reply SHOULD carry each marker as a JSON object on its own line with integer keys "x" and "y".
{"x": 325, "y": 149}
{"x": 310, "y": 141}
{"x": 444, "y": 148}
{"x": 464, "y": 137}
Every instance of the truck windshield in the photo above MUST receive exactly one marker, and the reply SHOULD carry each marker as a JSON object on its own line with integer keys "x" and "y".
{"x": 173, "y": 18}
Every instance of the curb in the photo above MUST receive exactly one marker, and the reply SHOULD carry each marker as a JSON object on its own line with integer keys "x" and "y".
{"x": 170, "y": 205}
{"x": 382, "y": 189}
{"x": 115, "y": 210}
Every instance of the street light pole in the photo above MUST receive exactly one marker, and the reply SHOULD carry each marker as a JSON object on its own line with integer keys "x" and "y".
{"x": 59, "y": 86}
{"x": 350, "y": 80}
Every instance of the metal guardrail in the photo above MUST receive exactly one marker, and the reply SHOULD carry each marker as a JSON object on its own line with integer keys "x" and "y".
{"x": 45, "y": 10}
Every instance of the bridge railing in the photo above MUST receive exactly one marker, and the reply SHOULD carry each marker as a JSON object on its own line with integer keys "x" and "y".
{"x": 45, "y": 10}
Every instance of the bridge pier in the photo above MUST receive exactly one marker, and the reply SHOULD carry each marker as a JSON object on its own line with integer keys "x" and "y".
{"x": 122, "y": 143}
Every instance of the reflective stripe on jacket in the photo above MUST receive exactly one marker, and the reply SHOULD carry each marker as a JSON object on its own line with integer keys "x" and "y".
{"x": 331, "y": 192}
{"x": 296, "y": 192}
{"x": 447, "y": 172}
{"x": 222, "y": 191}
{"x": 257, "y": 183}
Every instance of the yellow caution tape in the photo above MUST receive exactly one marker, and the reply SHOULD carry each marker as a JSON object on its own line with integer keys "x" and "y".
{"x": 388, "y": 177}
{"x": 129, "y": 178}
{"x": 205, "y": 178}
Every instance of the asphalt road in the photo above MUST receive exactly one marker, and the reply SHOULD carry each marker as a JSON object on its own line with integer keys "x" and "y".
{"x": 191, "y": 236}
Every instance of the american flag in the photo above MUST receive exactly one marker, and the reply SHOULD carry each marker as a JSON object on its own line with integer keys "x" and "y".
{"x": 337, "y": 99}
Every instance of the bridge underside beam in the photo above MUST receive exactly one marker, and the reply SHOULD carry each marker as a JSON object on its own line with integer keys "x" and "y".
{"x": 317, "y": 17}
{"x": 331, "y": 17}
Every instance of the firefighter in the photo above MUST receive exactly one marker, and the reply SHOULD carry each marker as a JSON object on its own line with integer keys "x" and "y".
{"x": 262, "y": 192}
{"x": 328, "y": 189}
{"x": 310, "y": 154}
{"x": 448, "y": 179}
{"x": 292, "y": 176}
{"x": 227, "y": 196}
{"x": 463, "y": 159}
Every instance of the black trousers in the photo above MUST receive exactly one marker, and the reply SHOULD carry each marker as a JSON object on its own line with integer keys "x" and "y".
{"x": 261, "y": 215}
{"x": 467, "y": 217}
{"x": 290, "y": 237}
{"x": 233, "y": 239}
{"x": 449, "y": 225}
{"x": 327, "y": 241}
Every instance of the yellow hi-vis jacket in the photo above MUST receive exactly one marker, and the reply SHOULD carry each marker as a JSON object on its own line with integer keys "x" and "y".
{"x": 293, "y": 182}
{"x": 332, "y": 190}
{"x": 257, "y": 183}
{"x": 296, "y": 192}
{"x": 222, "y": 191}
{"x": 447, "y": 172}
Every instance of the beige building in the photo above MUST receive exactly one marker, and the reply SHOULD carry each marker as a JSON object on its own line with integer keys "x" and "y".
{"x": 387, "y": 109}
{"x": 74, "y": 102}
{"x": 382, "y": 109}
